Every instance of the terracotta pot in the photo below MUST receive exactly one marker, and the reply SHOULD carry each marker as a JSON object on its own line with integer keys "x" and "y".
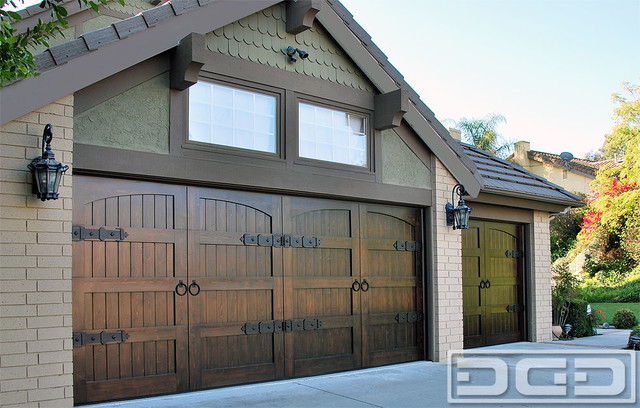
{"x": 557, "y": 331}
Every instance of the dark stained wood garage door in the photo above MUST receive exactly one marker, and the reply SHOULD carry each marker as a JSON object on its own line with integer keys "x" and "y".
{"x": 492, "y": 267}
{"x": 129, "y": 285}
{"x": 318, "y": 285}
{"x": 237, "y": 284}
{"x": 392, "y": 303}
{"x": 339, "y": 291}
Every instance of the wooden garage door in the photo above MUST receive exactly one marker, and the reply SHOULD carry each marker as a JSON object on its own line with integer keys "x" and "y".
{"x": 237, "y": 284}
{"x": 391, "y": 288}
{"x": 492, "y": 267}
{"x": 128, "y": 286}
{"x": 318, "y": 286}
{"x": 246, "y": 288}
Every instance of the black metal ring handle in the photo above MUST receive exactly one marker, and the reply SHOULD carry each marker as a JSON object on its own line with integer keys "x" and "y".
{"x": 487, "y": 284}
{"x": 482, "y": 284}
{"x": 181, "y": 285}
{"x": 364, "y": 282}
{"x": 194, "y": 284}
{"x": 355, "y": 286}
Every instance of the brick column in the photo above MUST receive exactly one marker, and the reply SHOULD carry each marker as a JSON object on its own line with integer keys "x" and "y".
{"x": 35, "y": 266}
{"x": 541, "y": 270}
{"x": 447, "y": 271}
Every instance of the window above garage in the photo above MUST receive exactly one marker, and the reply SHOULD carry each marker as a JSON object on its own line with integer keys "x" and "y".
{"x": 332, "y": 135}
{"x": 233, "y": 117}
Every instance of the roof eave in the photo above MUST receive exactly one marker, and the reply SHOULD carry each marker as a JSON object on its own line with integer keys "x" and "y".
{"x": 78, "y": 73}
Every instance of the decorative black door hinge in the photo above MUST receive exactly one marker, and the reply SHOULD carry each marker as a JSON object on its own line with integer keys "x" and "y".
{"x": 84, "y": 339}
{"x": 515, "y": 308}
{"x": 285, "y": 241}
{"x": 414, "y": 246}
{"x": 513, "y": 253}
{"x": 80, "y": 233}
{"x": 409, "y": 317}
{"x": 280, "y": 326}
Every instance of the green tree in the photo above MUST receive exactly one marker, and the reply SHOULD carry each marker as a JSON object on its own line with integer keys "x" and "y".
{"x": 483, "y": 133}
{"x": 612, "y": 219}
{"x": 16, "y": 58}
{"x": 626, "y": 132}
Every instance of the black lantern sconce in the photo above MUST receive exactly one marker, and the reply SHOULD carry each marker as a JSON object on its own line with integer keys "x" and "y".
{"x": 45, "y": 170}
{"x": 291, "y": 53}
{"x": 458, "y": 217}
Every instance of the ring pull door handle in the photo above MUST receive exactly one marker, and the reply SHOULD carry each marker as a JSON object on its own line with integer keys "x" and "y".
{"x": 365, "y": 285}
{"x": 487, "y": 284}
{"x": 482, "y": 284}
{"x": 179, "y": 290}
{"x": 194, "y": 285}
{"x": 355, "y": 286}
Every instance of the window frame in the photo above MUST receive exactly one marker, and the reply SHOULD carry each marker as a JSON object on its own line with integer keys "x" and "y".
{"x": 224, "y": 150}
{"x": 333, "y": 105}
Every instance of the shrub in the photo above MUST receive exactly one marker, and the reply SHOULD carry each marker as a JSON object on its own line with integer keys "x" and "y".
{"x": 581, "y": 324}
{"x": 624, "y": 319}
{"x": 563, "y": 292}
{"x": 635, "y": 331}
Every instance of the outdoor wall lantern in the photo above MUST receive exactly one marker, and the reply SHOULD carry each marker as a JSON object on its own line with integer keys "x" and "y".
{"x": 291, "y": 52}
{"x": 458, "y": 217}
{"x": 45, "y": 170}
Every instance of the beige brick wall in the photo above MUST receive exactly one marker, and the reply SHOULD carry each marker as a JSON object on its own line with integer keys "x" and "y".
{"x": 541, "y": 269}
{"x": 447, "y": 271}
{"x": 35, "y": 266}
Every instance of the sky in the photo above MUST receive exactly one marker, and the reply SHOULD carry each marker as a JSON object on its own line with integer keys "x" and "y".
{"x": 548, "y": 66}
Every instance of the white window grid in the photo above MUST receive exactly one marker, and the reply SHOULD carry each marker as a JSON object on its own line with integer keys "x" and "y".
{"x": 332, "y": 135}
{"x": 232, "y": 117}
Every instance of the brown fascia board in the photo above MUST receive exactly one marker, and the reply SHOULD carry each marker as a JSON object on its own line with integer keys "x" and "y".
{"x": 93, "y": 66}
{"x": 501, "y": 198}
{"x": 351, "y": 37}
{"x": 526, "y": 200}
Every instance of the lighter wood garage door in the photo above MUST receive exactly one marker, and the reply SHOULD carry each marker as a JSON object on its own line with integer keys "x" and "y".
{"x": 212, "y": 287}
{"x": 492, "y": 280}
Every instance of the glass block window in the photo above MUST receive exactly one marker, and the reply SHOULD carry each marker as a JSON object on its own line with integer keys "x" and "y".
{"x": 332, "y": 135}
{"x": 232, "y": 117}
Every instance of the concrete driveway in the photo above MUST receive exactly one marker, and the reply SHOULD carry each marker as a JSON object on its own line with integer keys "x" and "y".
{"x": 417, "y": 384}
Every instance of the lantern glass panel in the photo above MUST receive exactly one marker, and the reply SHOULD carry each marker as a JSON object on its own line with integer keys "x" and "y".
{"x": 464, "y": 217}
{"x": 41, "y": 178}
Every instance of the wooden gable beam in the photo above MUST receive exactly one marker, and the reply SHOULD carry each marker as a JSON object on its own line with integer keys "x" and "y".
{"x": 186, "y": 61}
{"x": 390, "y": 107}
{"x": 300, "y": 15}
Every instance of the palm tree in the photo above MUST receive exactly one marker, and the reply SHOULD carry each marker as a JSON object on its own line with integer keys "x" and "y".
{"x": 483, "y": 134}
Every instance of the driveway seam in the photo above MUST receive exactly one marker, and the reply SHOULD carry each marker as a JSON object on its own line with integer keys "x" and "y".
{"x": 339, "y": 395}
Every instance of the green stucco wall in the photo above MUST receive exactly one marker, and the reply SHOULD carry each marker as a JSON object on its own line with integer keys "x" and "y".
{"x": 137, "y": 119}
{"x": 400, "y": 166}
{"x": 262, "y": 37}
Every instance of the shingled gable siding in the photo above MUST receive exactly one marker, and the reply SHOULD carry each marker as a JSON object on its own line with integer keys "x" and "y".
{"x": 541, "y": 292}
{"x": 35, "y": 266}
{"x": 262, "y": 37}
{"x": 447, "y": 274}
